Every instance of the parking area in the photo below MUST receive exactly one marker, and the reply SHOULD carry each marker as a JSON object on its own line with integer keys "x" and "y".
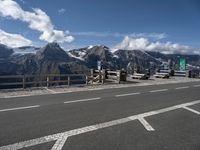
{"x": 196, "y": 107}
{"x": 178, "y": 129}
{"x": 175, "y": 127}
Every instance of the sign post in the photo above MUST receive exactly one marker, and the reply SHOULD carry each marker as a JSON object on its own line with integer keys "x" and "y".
{"x": 182, "y": 64}
{"x": 99, "y": 65}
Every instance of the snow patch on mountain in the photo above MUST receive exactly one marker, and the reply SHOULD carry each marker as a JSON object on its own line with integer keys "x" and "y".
{"x": 71, "y": 55}
{"x": 90, "y": 47}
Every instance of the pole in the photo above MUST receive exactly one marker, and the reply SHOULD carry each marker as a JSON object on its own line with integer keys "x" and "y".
{"x": 68, "y": 80}
{"x": 24, "y": 82}
{"x": 47, "y": 81}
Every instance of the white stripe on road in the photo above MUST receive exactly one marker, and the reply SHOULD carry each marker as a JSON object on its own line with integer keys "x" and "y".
{"x": 58, "y": 136}
{"x": 162, "y": 90}
{"x": 147, "y": 126}
{"x": 196, "y": 85}
{"x": 192, "y": 110}
{"x": 19, "y": 108}
{"x": 128, "y": 94}
{"x": 82, "y": 100}
{"x": 184, "y": 87}
{"x": 60, "y": 143}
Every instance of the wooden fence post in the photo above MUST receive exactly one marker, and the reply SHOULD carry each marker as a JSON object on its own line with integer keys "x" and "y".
{"x": 68, "y": 80}
{"x": 24, "y": 82}
{"x": 47, "y": 81}
{"x": 92, "y": 75}
{"x": 103, "y": 76}
{"x": 119, "y": 76}
{"x": 100, "y": 76}
{"x": 86, "y": 79}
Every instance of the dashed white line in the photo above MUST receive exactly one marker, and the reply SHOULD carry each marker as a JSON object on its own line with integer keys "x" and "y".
{"x": 161, "y": 90}
{"x": 147, "y": 126}
{"x": 196, "y": 85}
{"x": 184, "y": 87}
{"x": 82, "y": 100}
{"x": 19, "y": 108}
{"x": 62, "y": 137}
{"x": 192, "y": 110}
{"x": 128, "y": 94}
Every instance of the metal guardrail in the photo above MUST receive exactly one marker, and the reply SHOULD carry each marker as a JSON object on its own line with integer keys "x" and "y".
{"x": 23, "y": 81}
{"x": 174, "y": 72}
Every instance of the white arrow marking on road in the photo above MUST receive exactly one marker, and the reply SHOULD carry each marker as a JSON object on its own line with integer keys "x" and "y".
{"x": 60, "y": 140}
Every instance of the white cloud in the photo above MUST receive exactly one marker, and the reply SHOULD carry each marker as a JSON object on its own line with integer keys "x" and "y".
{"x": 157, "y": 36}
{"x": 13, "y": 40}
{"x": 133, "y": 35}
{"x": 37, "y": 20}
{"x": 61, "y": 11}
{"x": 144, "y": 44}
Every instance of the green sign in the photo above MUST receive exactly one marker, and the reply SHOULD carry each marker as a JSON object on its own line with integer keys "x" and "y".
{"x": 182, "y": 64}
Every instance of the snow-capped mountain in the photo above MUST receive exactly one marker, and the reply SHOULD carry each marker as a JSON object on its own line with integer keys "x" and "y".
{"x": 53, "y": 59}
{"x": 80, "y": 53}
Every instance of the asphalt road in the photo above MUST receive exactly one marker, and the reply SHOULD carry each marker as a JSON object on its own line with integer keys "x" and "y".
{"x": 152, "y": 117}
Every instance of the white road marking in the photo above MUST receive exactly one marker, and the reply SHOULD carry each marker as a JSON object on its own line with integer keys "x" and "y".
{"x": 83, "y": 100}
{"x": 196, "y": 85}
{"x": 192, "y": 110}
{"x": 60, "y": 143}
{"x": 128, "y": 94}
{"x": 161, "y": 90}
{"x": 184, "y": 87}
{"x": 58, "y": 136}
{"x": 147, "y": 126}
{"x": 19, "y": 108}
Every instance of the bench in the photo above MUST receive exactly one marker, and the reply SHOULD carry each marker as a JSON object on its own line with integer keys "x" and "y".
{"x": 162, "y": 75}
{"x": 140, "y": 76}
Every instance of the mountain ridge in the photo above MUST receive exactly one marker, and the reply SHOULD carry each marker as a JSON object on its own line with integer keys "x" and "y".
{"x": 52, "y": 59}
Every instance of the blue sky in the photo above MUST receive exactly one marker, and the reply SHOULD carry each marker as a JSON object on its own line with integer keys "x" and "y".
{"x": 108, "y": 22}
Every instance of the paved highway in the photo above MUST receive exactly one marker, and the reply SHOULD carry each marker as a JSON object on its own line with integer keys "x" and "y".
{"x": 141, "y": 118}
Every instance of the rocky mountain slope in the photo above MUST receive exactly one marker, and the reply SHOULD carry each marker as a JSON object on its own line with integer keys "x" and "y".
{"x": 50, "y": 59}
